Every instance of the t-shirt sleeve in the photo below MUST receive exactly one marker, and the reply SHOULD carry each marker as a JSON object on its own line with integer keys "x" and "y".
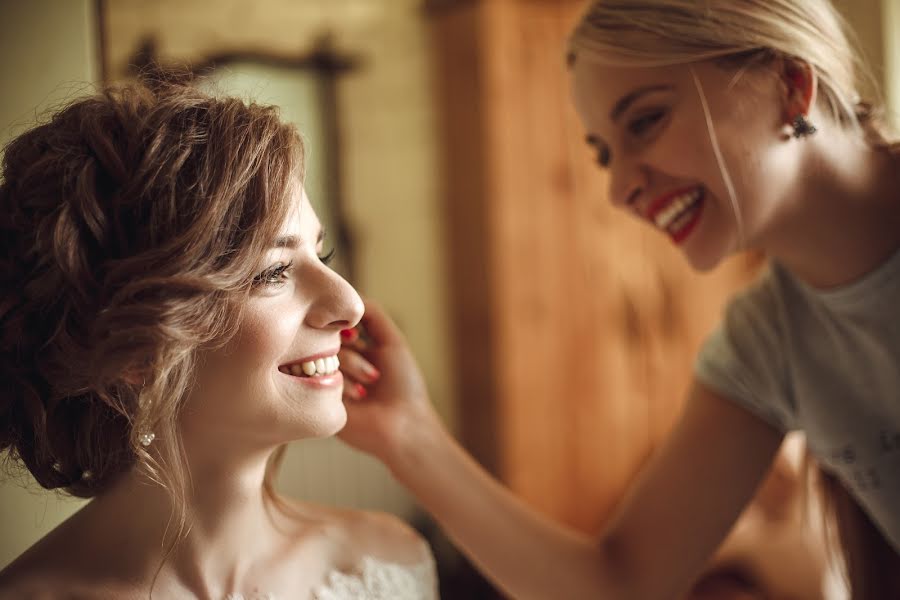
{"x": 745, "y": 359}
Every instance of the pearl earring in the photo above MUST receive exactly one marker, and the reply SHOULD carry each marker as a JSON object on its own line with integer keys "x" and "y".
{"x": 146, "y": 438}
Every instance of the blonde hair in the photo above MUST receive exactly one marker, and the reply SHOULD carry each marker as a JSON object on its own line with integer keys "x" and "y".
{"x": 648, "y": 33}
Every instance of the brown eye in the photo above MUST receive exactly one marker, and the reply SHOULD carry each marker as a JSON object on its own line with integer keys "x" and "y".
{"x": 274, "y": 275}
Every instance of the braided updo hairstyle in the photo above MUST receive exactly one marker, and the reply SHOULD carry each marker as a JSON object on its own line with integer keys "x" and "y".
{"x": 130, "y": 227}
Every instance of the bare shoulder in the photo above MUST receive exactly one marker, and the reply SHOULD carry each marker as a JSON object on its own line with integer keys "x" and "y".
{"x": 58, "y": 566}
{"x": 33, "y": 575}
{"x": 22, "y": 586}
{"x": 26, "y": 579}
{"x": 355, "y": 534}
{"x": 387, "y": 537}
{"x": 40, "y": 585}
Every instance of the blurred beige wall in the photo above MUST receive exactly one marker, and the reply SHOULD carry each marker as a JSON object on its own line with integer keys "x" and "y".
{"x": 47, "y": 54}
{"x": 876, "y": 24}
{"x": 891, "y": 35}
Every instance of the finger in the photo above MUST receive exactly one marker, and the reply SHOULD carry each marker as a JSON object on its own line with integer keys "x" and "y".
{"x": 354, "y": 390}
{"x": 356, "y": 366}
{"x": 355, "y": 338}
{"x": 379, "y": 325}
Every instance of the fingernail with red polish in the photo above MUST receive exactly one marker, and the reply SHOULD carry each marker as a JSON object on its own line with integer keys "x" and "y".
{"x": 372, "y": 372}
{"x": 361, "y": 390}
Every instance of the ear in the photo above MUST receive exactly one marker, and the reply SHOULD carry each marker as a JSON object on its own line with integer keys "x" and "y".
{"x": 799, "y": 84}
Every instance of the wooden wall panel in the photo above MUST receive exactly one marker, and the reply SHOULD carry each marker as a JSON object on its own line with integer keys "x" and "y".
{"x": 590, "y": 320}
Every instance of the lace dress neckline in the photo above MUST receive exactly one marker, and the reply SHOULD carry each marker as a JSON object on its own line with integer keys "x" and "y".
{"x": 373, "y": 579}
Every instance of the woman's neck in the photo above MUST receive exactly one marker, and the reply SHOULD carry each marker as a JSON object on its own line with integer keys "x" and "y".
{"x": 231, "y": 525}
{"x": 845, "y": 217}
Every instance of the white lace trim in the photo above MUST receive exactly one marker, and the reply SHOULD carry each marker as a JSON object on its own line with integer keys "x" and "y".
{"x": 373, "y": 580}
{"x": 377, "y": 580}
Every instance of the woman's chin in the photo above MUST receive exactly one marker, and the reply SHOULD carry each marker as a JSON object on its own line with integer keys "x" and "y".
{"x": 326, "y": 424}
{"x": 703, "y": 262}
{"x": 705, "y": 255}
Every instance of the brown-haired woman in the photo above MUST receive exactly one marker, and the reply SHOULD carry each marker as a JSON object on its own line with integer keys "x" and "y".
{"x": 168, "y": 323}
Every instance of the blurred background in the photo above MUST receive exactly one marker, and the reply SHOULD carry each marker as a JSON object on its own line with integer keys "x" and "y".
{"x": 556, "y": 335}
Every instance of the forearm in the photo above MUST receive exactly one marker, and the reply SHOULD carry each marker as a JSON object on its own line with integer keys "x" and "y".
{"x": 665, "y": 529}
{"x": 525, "y": 554}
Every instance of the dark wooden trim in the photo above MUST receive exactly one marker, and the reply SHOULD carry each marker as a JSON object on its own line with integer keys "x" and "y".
{"x": 322, "y": 58}
{"x": 437, "y": 8}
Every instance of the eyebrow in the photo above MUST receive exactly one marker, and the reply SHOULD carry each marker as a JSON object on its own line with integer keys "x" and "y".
{"x": 292, "y": 241}
{"x": 627, "y": 100}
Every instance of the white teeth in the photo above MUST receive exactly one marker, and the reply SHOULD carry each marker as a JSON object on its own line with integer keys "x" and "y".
{"x": 313, "y": 368}
{"x": 676, "y": 207}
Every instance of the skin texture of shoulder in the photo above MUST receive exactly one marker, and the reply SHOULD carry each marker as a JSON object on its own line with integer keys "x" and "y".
{"x": 352, "y": 535}
{"x": 388, "y": 538}
{"x": 26, "y": 581}
{"x": 44, "y": 572}
{"x": 41, "y": 571}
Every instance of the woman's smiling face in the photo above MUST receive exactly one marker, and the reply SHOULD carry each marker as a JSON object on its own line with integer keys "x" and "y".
{"x": 650, "y": 130}
{"x": 277, "y": 379}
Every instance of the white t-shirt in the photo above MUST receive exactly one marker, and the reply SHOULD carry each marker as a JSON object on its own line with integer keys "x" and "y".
{"x": 826, "y": 363}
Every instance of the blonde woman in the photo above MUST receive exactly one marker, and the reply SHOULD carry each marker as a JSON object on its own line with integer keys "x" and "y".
{"x": 726, "y": 125}
{"x": 168, "y": 323}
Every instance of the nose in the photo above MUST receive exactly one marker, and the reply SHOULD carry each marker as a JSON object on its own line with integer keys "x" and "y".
{"x": 627, "y": 182}
{"x": 337, "y": 305}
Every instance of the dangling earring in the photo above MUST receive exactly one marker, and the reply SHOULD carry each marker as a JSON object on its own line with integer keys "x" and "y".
{"x": 146, "y": 438}
{"x": 802, "y": 127}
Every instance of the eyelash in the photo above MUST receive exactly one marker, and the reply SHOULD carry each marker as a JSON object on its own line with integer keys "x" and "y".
{"x": 329, "y": 256}
{"x": 638, "y": 126}
{"x": 275, "y": 275}
{"x": 645, "y": 122}
{"x": 603, "y": 157}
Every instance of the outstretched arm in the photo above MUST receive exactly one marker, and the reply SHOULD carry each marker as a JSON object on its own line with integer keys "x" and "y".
{"x": 671, "y": 521}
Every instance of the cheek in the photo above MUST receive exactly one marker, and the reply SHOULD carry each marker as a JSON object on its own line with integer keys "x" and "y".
{"x": 264, "y": 340}
{"x": 249, "y": 360}
{"x": 684, "y": 151}
{"x": 689, "y": 154}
